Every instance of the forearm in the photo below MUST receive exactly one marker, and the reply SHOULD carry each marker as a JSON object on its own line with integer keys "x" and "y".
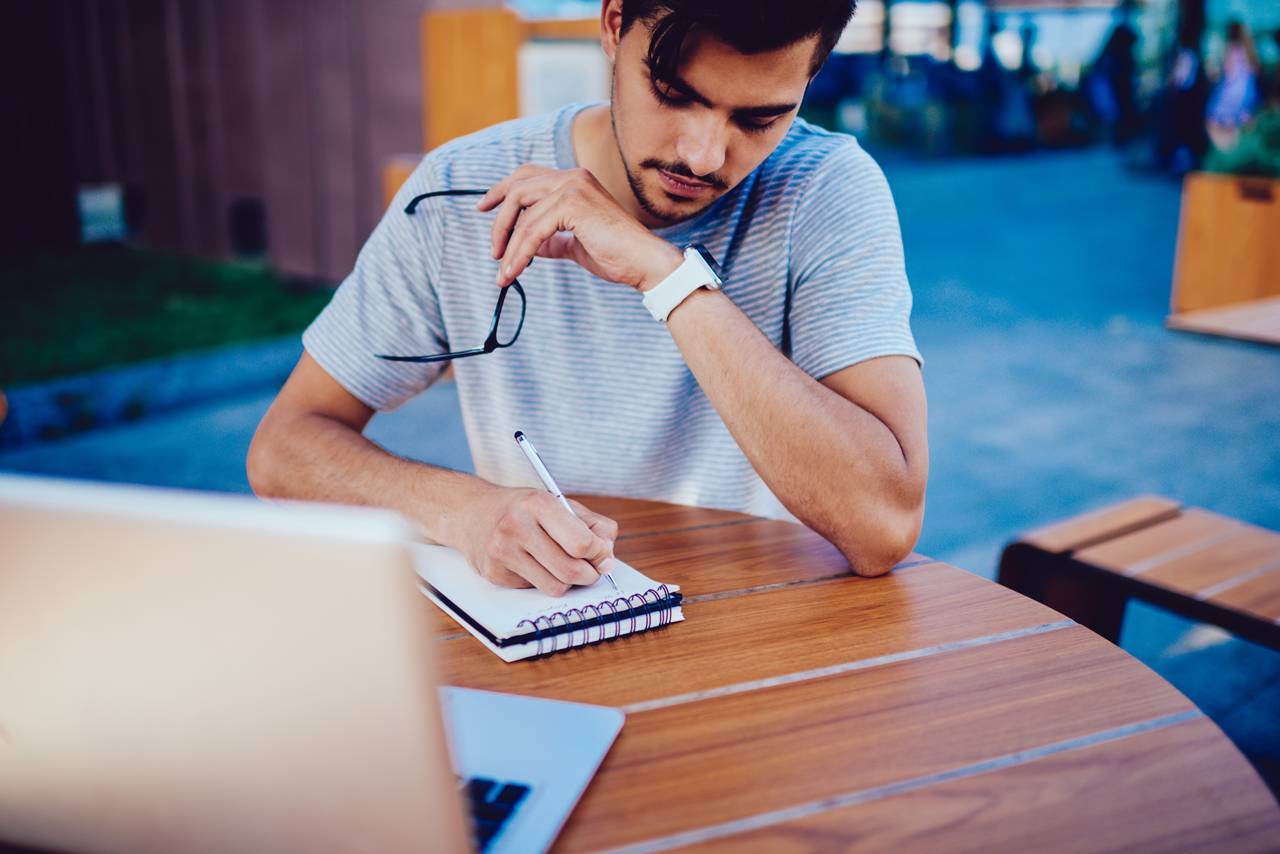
{"x": 833, "y": 464}
{"x": 314, "y": 457}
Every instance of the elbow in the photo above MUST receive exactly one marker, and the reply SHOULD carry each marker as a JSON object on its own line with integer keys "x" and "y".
{"x": 260, "y": 464}
{"x": 894, "y": 537}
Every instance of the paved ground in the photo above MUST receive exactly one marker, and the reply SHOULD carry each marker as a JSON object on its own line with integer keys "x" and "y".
{"x": 1040, "y": 285}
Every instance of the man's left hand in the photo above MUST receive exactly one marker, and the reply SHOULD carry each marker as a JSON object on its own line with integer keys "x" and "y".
{"x": 554, "y": 213}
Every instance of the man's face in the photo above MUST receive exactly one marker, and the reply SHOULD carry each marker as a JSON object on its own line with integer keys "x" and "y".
{"x": 686, "y": 142}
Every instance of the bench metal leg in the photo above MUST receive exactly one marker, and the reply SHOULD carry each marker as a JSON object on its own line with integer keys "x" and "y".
{"x": 1070, "y": 588}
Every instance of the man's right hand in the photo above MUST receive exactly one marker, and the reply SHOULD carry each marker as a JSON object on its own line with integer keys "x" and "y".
{"x": 526, "y": 538}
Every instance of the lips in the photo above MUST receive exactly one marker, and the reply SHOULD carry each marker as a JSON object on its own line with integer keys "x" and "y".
{"x": 682, "y": 187}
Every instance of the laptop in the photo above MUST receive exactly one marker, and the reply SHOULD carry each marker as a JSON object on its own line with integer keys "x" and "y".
{"x": 196, "y": 672}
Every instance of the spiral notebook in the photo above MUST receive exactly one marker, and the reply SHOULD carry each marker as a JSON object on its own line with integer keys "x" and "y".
{"x": 518, "y": 624}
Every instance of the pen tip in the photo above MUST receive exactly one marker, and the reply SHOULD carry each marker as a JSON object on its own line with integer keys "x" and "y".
{"x": 519, "y": 435}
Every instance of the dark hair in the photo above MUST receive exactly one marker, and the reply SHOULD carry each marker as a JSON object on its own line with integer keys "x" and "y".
{"x": 748, "y": 26}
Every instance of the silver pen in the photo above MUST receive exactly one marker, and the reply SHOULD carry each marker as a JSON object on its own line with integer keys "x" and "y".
{"x": 549, "y": 482}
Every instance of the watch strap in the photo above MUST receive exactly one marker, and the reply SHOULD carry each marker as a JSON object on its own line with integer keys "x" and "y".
{"x": 692, "y": 274}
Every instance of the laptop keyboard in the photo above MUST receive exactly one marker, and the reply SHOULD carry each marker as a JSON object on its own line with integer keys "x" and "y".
{"x": 492, "y": 803}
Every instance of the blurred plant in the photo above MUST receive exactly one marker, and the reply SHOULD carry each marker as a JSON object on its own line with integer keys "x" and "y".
{"x": 107, "y": 305}
{"x": 1256, "y": 154}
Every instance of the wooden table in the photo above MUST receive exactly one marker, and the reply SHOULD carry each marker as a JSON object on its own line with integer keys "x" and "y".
{"x": 799, "y": 708}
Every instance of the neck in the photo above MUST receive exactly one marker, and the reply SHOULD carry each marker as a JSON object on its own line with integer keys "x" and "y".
{"x": 596, "y": 150}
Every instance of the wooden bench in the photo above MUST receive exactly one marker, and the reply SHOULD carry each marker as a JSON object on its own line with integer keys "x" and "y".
{"x": 1202, "y": 565}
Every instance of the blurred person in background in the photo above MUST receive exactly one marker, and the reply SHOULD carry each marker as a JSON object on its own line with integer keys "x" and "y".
{"x": 1110, "y": 84}
{"x": 794, "y": 389}
{"x": 1272, "y": 93}
{"x": 1234, "y": 99}
{"x": 1008, "y": 121}
{"x": 1181, "y": 140}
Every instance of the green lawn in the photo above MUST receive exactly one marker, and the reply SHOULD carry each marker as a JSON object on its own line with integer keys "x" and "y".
{"x": 109, "y": 305}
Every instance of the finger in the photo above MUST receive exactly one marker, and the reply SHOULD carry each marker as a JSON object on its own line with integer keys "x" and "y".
{"x": 500, "y": 190}
{"x": 536, "y": 225}
{"x": 521, "y": 195}
{"x": 496, "y": 194}
{"x": 504, "y": 577}
{"x": 571, "y": 533}
{"x": 530, "y": 569}
{"x": 505, "y": 222}
{"x": 602, "y": 526}
{"x": 570, "y": 570}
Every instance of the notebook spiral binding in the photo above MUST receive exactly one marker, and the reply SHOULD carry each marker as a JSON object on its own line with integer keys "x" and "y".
{"x": 628, "y": 609}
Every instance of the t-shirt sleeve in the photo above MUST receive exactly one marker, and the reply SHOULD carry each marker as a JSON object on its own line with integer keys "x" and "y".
{"x": 389, "y": 305}
{"x": 850, "y": 297}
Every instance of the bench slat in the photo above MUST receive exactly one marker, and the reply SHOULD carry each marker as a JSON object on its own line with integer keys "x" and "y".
{"x": 1243, "y": 552}
{"x": 1259, "y": 596}
{"x": 1104, "y": 524}
{"x": 1131, "y": 553}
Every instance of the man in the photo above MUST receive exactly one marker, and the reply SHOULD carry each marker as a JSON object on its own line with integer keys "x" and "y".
{"x": 795, "y": 387}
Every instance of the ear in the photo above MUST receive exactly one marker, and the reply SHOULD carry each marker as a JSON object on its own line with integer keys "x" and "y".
{"x": 610, "y": 27}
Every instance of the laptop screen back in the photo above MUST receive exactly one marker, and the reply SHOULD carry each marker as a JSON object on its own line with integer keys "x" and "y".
{"x": 183, "y": 672}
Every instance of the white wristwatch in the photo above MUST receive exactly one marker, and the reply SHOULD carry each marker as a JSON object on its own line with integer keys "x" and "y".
{"x": 699, "y": 270}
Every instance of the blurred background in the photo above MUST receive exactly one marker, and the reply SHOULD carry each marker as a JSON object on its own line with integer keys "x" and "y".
{"x": 1079, "y": 182}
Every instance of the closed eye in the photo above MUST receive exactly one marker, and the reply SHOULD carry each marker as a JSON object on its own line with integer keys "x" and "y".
{"x": 669, "y": 97}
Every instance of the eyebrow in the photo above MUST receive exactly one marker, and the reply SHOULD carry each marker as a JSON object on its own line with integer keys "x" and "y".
{"x": 682, "y": 86}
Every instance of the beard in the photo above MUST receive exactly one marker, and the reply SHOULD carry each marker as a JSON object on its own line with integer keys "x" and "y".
{"x": 650, "y": 202}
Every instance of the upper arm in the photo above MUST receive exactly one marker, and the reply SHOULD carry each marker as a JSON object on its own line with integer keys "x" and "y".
{"x": 310, "y": 390}
{"x": 891, "y": 388}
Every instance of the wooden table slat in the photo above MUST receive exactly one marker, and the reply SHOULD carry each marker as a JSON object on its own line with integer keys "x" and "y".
{"x": 1131, "y": 794}
{"x": 803, "y": 742}
{"x": 728, "y": 641}
{"x": 718, "y": 560}
{"x": 1103, "y": 524}
{"x": 637, "y": 517}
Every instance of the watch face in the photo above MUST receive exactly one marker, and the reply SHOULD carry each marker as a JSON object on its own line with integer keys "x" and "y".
{"x": 708, "y": 258}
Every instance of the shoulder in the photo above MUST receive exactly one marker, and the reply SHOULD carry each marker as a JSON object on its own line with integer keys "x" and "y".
{"x": 812, "y": 156}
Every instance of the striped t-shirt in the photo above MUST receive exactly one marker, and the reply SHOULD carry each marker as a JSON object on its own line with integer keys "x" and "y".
{"x": 594, "y": 381}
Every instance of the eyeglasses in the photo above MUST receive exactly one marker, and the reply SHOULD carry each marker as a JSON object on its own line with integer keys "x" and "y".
{"x": 496, "y": 332}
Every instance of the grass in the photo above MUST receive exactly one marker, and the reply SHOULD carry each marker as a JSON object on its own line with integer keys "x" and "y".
{"x": 107, "y": 305}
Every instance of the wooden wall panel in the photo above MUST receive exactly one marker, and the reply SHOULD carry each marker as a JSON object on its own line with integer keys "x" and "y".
{"x": 288, "y": 148}
{"x": 39, "y": 211}
{"x": 392, "y": 99}
{"x": 194, "y": 104}
{"x": 122, "y": 88}
{"x": 336, "y": 223}
{"x": 93, "y": 60}
{"x": 164, "y": 223}
{"x": 73, "y": 41}
{"x": 177, "y": 73}
{"x": 242, "y": 101}
{"x": 196, "y": 92}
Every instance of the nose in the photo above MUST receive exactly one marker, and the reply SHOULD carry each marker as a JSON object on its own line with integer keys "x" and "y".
{"x": 702, "y": 144}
